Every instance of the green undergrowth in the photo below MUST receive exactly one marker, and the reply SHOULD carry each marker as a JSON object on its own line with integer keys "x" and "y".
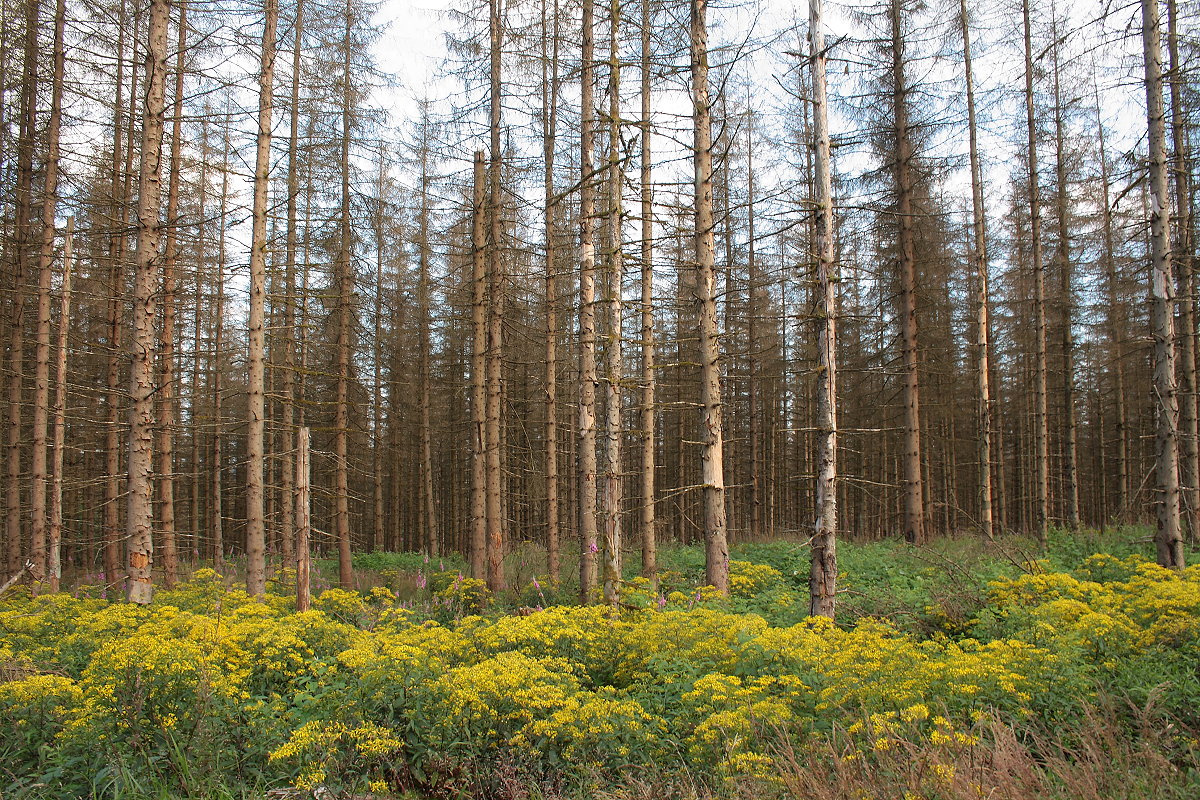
{"x": 955, "y": 670}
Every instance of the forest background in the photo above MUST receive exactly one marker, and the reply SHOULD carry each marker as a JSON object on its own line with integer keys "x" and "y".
{"x": 368, "y": 251}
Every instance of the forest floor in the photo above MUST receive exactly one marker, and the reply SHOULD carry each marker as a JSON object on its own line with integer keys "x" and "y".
{"x": 956, "y": 670}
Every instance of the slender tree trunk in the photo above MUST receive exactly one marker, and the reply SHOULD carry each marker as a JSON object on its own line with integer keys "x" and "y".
{"x": 1185, "y": 275}
{"x": 287, "y": 423}
{"x": 550, "y": 39}
{"x": 139, "y": 519}
{"x": 432, "y": 538}
{"x": 647, "y": 515}
{"x": 914, "y": 502}
{"x": 303, "y": 524}
{"x": 1113, "y": 323}
{"x": 478, "y": 372}
{"x": 116, "y": 272}
{"x": 12, "y": 564}
{"x": 55, "y": 526}
{"x": 716, "y": 570}
{"x": 41, "y": 382}
{"x": 204, "y": 475}
{"x": 684, "y": 281}
{"x": 197, "y": 524}
{"x": 217, "y": 381}
{"x": 166, "y": 358}
{"x": 1169, "y": 539}
{"x": 345, "y": 281}
{"x": 754, "y": 315}
{"x": 822, "y": 581}
{"x": 377, "y": 528}
{"x": 983, "y": 411}
{"x": 256, "y": 566}
{"x": 616, "y": 263}
{"x": 1041, "y": 421}
{"x": 20, "y": 252}
{"x": 1070, "y": 426}
{"x": 496, "y": 289}
{"x": 1001, "y": 502}
{"x": 587, "y": 319}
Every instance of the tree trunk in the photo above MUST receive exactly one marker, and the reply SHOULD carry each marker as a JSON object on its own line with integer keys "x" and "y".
{"x": 121, "y": 176}
{"x": 217, "y": 379}
{"x": 1062, "y": 207}
{"x": 54, "y": 529}
{"x": 716, "y": 570}
{"x": 549, "y": 45}
{"x": 41, "y": 382}
{"x": 139, "y": 518}
{"x": 616, "y": 264}
{"x": 432, "y": 537}
{"x": 1113, "y": 324}
{"x": 197, "y": 523}
{"x": 20, "y": 251}
{"x": 303, "y": 524}
{"x": 1189, "y": 472}
{"x": 256, "y": 567}
{"x": 166, "y": 358}
{"x": 914, "y": 502}
{"x": 496, "y": 288}
{"x": 377, "y": 528}
{"x": 647, "y": 515}
{"x": 587, "y": 320}
{"x": 1041, "y": 422}
{"x": 822, "y": 582}
{"x": 344, "y": 276}
{"x": 478, "y": 372}
{"x": 1168, "y": 540}
{"x": 755, "y": 313}
{"x": 287, "y": 531}
{"x": 983, "y": 411}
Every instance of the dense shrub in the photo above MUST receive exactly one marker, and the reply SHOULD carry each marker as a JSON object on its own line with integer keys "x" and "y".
{"x": 369, "y": 693}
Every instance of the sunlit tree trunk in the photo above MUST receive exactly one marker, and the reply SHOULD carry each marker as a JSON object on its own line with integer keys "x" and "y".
{"x": 1168, "y": 540}
{"x": 256, "y": 562}
{"x": 587, "y": 319}
{"x": 139, "y": 515}
{"x": 716, "y": 571}
{"x": 823, "y": 571}
{"x": 616, "y": 270}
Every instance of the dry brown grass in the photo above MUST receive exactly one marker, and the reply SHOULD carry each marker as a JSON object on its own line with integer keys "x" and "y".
{"x": 1101, "y": 760}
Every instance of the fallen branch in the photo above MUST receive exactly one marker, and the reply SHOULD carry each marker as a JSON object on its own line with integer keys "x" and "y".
{"x": 8, "y": 584}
